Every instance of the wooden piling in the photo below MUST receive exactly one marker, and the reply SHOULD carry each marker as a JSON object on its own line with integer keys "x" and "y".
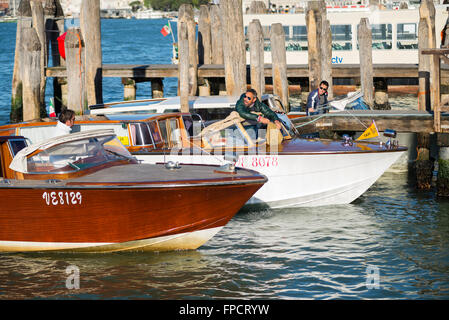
{"x": 435, "y": 64}
{"x": 313, "y": 50}
{"x": 157, "y": 88}
{"x": 315, "y": 15}
{"x": 185, "y": 14}
{"x": 204, "y": 36}
{"x": 23, "y": 21}
{"x": 443, "y": 165}
{"x": 279, "y": 64}
{"x": 326, "y": 56}
{"x": 423, "y": 163}
{"x": 424, "y": 67}
{"x": 74, "y": 50}
{"x": 365, "y": 41}
{"x": 183, "y": 65}
{"x": 37, "y": 12}
{"x": 91, "y": 30}
{"x": 217, "y": 45}
{"x": 381, "y": 94}
{"x": 129, "y": 89}
{"x": 216, "y": 34}
{"x": 257, "y": 7}
{"x": 256, "y": 47}
{"x": 31, "y": 73}
{"x": 233, "y": 46}
{"x": 427, "y": 12}
{"x": 204, "y": 47}
{"x": 54, "y": 27}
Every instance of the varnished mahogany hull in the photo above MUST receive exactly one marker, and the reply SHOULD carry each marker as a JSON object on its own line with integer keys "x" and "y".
{"x": 118, "y": 219}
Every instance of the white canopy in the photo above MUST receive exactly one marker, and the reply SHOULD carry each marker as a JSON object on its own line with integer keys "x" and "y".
{"x": 19, "y": 163}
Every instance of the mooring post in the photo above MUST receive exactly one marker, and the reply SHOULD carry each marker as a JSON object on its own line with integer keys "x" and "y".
{"x": 74, "y": 50}
{"x": 129, "y": 89}
{"x": 234, "y": 46}
{"x": 204, "y": 47}
{"x": 313, "y": 50}
{"x": 23, "y": 21}
{"x": 423, "y": 67}
{"x": 423, "y": 163}
{"x": 443, "y": 165}
{"x": 204, "y": 36}
{"x": 91, "y": 30}
{"x": 183, "y": 65}
{"x": 31, "y": 74}
{"x": 185, "y": 14}
{"x": 257, "y": 7}
{"x": 279, "y": 64}
{"x": 381, "y": 94}
{"x": 435, "y": 91}
{"x": 326, "y": 56}
{"x": 256, "y": 45}
{"x": 427, "y": 12}
{"x": 216, "y": 33}
{"x": 37, "y": 12}
{"x": 157, "y": 88}
{"x": 54, "y": 27}
{"x": 364, "y": 36}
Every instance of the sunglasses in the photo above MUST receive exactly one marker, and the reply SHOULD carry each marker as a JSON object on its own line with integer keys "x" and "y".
{"x": 248, "y": 97}
{"x": 324, "y": 89}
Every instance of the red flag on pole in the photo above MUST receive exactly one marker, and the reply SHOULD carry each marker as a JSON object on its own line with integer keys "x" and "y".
{"x": 165, "y": 30}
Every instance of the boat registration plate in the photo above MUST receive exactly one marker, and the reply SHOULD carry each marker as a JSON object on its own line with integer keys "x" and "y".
{"x": 62, "y": 198}
{"x": 257, "y": 161}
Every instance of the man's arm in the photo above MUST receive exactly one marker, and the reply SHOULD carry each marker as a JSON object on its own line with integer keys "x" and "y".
{"x": 268, "y": 115}
{"x": 267, "y": 112}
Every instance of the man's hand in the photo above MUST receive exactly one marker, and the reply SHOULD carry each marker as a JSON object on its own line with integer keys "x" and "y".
{"x": 311, "y": 110}
{"x": 264, "y": 120}
{"x": 278, "y": 124}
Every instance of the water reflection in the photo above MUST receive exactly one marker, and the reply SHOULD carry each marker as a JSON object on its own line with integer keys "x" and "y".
{"x": 296, "y": 253}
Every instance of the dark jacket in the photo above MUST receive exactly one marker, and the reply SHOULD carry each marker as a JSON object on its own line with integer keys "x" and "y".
{"x": 313, "y": 101}
{"x": 258, "y": 106}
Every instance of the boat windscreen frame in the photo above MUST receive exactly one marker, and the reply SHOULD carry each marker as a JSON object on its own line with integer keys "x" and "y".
{"x": 99, "y": 146}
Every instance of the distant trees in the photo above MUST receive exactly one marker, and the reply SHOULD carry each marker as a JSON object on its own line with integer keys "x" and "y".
{"x": 173, "y": 5}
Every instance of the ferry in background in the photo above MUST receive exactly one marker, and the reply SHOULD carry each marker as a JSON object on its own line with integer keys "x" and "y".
{"x": 394, "y": 32}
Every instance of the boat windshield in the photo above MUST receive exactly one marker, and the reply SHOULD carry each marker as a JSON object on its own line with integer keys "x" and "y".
{"x": 78, "y": 155}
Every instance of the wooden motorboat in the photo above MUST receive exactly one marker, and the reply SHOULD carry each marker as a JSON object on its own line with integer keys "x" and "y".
{"x": 301, "y": 172}
{"x": 86, "y": 192}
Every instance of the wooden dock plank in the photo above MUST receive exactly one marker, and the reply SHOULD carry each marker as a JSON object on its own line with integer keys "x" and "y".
{"x": 217, "y": 70}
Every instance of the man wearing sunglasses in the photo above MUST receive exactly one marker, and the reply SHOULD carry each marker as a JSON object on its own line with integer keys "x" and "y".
{"x": 317, "y": 98}
{"x": 255, "y": 112}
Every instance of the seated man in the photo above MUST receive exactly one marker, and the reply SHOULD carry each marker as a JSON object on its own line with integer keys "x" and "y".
{"x": 317, "y": 99}
{"x": 255, "y": 112}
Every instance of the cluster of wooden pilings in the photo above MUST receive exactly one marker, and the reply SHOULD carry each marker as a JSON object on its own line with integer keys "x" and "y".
{"x": 220, "y": 41}
{"x": 38, "y": 27}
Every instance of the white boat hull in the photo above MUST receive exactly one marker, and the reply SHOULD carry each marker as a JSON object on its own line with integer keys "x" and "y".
{"x": 303, "y": 180}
